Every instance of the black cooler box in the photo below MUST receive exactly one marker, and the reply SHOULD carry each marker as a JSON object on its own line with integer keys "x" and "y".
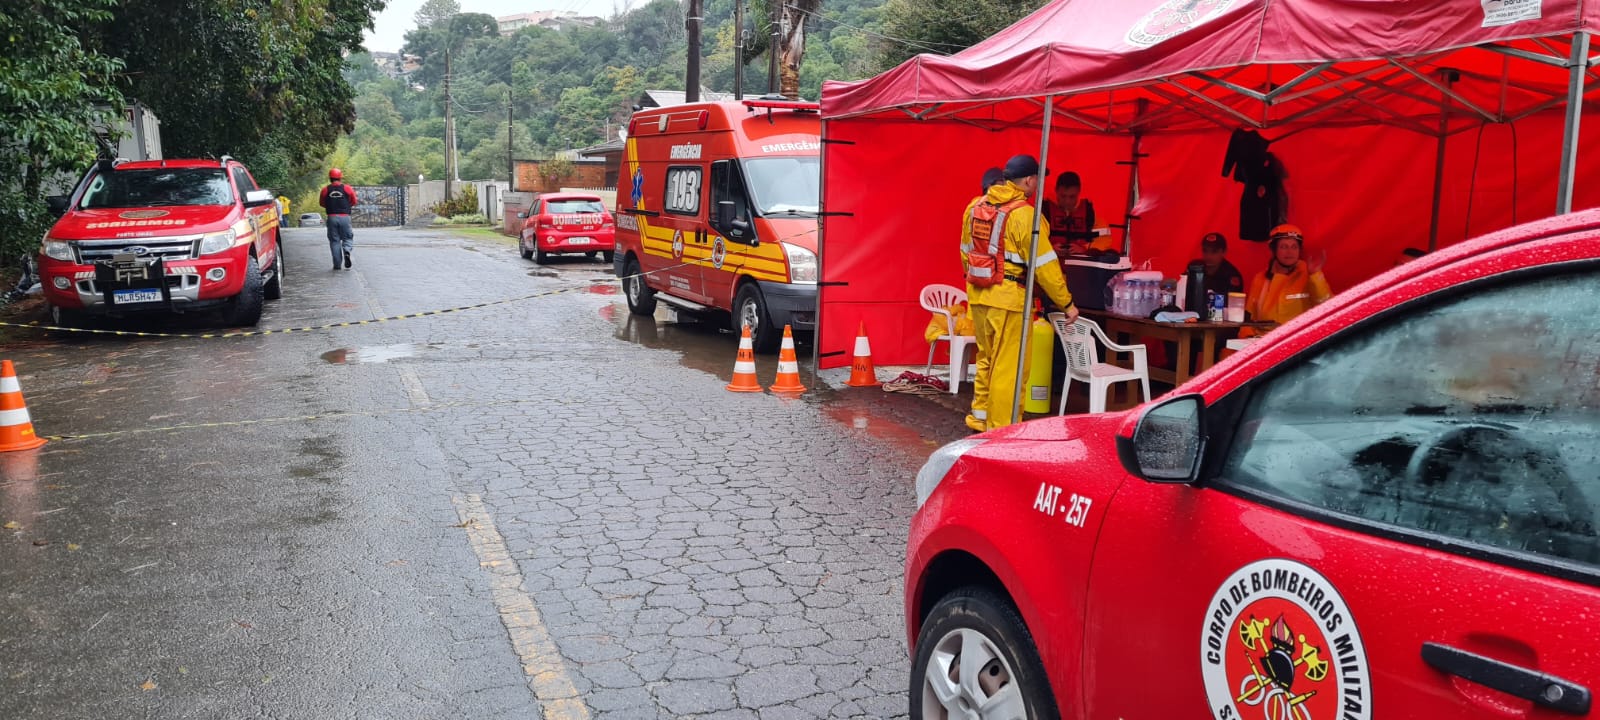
{"x": 1087, "y": 279}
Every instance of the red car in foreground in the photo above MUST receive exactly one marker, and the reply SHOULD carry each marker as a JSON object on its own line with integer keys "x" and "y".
{"x": 1386, "y": 508}
{"x": 163, "y": 236}
{"x": 560, "y": 223}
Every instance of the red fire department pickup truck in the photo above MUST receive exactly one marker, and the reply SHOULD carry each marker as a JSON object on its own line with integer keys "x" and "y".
{"x": 163, "y": 236}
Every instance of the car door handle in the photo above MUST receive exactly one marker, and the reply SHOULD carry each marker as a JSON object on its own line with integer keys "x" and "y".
{"x": 1545, "y": 690}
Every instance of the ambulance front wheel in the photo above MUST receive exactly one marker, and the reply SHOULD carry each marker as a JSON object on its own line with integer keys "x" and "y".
{"x": 750, "y": 309}
{"x": 641, "y": 298}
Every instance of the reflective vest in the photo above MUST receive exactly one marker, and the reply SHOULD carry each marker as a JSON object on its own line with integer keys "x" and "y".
{"x": 985, "y": 247}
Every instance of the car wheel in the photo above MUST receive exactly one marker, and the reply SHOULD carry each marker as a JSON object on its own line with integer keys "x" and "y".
{"x": 975, "y": 658}
{"x": 244, "y": 309}
{"x": 610, "y": 257}
{"x": 522, "y": 246}
{"x": 750, "y": 308}
{"x": 274, "y": 287}
{"x": 540, "y": 257}
{"x": 62, "y": 317}
{"x": 641, "y": 297}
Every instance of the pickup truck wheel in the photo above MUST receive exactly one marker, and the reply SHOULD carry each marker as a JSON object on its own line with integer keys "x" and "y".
{"x": 975, "y": 658}
{"x": 62, "y": 317}
{"x": 244, "y": 309}
{"x": 274, "y": 287}
{"x": 522, "y": 247}
{"x": 750, "y": 308}
{"x": 641, "y": 297}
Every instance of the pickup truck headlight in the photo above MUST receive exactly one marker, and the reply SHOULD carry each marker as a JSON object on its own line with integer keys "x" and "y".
{"x": 802, "y": 264}
{"x": 58, "y": 250}
{"x": 216, "y": 242}
{"x": 939, "y": 464}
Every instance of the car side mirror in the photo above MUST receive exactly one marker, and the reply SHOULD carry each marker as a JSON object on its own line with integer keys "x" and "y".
{"x": 1166, "y": 442}
{"x": 57, "y": 204}
{"x": 257, "y": 198}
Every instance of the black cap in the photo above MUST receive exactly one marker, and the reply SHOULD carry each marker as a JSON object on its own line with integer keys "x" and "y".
{"x": 992, "y": 176}
{"x": 1021, "y": 166}
{"x": 1214, "y": 241}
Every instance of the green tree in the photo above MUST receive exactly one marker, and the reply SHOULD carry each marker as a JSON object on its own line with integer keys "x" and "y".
{"x": 53, "y": 90}
{"x": 433, "y": 12}
{"x": 945, "y": 26}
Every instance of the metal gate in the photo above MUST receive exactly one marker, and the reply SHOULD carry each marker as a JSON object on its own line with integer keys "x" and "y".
{"x": 379, "y": 206}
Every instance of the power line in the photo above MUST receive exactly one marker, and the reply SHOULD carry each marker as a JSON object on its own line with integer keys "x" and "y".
{"x": 890, "y": 38}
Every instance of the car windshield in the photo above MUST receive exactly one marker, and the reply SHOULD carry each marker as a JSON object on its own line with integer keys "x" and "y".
{"x": 147, "y": 188}
{"x": 784, "y": 185}
{"x": 564, "y": 207}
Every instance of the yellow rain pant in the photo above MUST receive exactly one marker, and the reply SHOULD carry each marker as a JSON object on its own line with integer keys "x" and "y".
{"x": 999, "y": 334}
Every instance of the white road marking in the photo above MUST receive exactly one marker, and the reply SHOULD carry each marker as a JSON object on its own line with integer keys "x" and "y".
{"x": 413, "y": 387}
{"x": 541, "y": 661}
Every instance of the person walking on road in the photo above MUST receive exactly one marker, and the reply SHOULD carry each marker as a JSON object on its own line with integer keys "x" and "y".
{"x": 994, "y": 235}
{"x": 338, "y": 199}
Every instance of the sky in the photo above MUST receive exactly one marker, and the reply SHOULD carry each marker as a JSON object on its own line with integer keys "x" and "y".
{"x": 391, "y": 25}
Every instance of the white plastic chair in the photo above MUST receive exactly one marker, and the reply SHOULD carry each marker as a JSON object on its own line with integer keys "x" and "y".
{"x": 935, "y": 299}
{"x": 1078, "y": 342}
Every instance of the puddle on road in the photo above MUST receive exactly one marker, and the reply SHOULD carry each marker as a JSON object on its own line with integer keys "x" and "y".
{"x": 543, "y": 273}
{"x": 373, "y": 353}
{"x": 603, "y": 289}
{"x": 608, "y": 313}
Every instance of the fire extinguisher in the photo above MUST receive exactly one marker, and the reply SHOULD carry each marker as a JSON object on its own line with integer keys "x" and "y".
{"x": 1040, "y": 355}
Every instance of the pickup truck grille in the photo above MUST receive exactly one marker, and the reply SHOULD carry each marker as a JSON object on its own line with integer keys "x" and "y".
{"x": 166, "y": 248}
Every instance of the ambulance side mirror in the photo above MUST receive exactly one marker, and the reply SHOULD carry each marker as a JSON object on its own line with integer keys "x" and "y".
{"x": 1165, "y": 442}
{"x": 725, "y": 213}
{"x": 729, "y": 223}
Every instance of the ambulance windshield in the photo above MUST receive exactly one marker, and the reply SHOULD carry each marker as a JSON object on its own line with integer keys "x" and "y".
{"x": 784, "y": 185}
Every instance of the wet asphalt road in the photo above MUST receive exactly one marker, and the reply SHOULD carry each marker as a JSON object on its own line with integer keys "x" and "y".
{"x": 545, "y": 507}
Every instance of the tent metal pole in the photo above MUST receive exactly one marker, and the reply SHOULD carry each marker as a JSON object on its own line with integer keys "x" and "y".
{"x": 822, "y": 222}
{"x": 1029, "y": 253}
{"x": 1438, "y": 165}
{"x": 1578, "y": 67}
{"x": 1133, "y": 195}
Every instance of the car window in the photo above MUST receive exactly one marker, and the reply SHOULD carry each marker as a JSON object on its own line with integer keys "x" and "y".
{"x": 727, "y": 185}
{"x": 243, "y": 180}
{"x": 682, "y": 191}
{"x": 148, "y": 188}
{"x": 1474, "y": 417}
{"x": 562, "y": 207}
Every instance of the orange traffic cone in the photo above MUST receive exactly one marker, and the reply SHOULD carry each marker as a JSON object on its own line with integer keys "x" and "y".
{"x": 16, "y": 428}
{"x": 744, "y": 368}
{"x": 788, "y": 367}
{"x": 862, "y": 374}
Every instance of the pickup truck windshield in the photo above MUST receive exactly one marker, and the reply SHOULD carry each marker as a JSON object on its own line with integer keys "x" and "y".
{"x": 158, "y": 187}
{"x": 784, "y": 185}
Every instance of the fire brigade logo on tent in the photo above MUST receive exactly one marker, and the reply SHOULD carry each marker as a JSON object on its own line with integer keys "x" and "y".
{"x": 677, "y": 244}
{"x": 1173, "y": 18}
{"x": 1280, "y": 644}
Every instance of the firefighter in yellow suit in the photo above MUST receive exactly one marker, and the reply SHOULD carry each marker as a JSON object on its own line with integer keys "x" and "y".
{"x": 998, "y": 312}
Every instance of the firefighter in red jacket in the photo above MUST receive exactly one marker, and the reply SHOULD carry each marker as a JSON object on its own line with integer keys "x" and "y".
{"x": 997, "y": 247}
{"x": 338, "y": 199}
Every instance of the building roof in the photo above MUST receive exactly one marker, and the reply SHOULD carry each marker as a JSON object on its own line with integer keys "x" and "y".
{"x": 668, "y": 98}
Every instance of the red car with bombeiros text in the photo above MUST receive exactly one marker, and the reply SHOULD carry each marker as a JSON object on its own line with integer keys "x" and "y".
{"x": 1386, "y": 508}
{"x": 163, "y": 236}
{"x": 561, "y": 223}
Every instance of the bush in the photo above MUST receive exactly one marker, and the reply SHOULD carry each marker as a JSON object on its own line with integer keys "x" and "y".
{"x": 473, "y": 219}
{"x": 464, "y": 203}
{"x": 440, "y": 220}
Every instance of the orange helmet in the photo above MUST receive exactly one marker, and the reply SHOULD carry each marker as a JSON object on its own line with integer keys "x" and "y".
{"x": 335, "y": 174}
{"x": 1286, "y": 232}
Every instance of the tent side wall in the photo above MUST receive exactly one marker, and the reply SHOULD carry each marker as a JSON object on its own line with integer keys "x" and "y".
{"x": 1361, "y": 194}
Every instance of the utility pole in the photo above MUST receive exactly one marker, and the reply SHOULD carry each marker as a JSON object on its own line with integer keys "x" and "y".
{"x": 738, "y": 49}
{"x": 691, "y": 90}
{"x": 511, "y": 164}
{"x": 449, "y": 130}
{"x": 772, "y": 46}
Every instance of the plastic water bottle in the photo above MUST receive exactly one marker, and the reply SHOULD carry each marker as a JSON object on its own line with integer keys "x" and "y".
{"x": 1119, "y": 298}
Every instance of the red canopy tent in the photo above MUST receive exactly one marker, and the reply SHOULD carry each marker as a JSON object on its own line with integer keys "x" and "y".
{"x": 1401, "y": 123}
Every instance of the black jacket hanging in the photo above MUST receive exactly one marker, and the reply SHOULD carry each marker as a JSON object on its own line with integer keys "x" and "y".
{"x": 1264, "y": 204}
{"x": 1246, "y": 154}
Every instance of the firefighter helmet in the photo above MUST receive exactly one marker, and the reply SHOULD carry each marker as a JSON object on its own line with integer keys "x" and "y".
{"x": 335, "y": 174}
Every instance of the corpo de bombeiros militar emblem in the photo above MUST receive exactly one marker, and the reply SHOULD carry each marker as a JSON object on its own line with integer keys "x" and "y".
{"x": 1173, "y": 18}
{"x": 1279, "y": 643}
